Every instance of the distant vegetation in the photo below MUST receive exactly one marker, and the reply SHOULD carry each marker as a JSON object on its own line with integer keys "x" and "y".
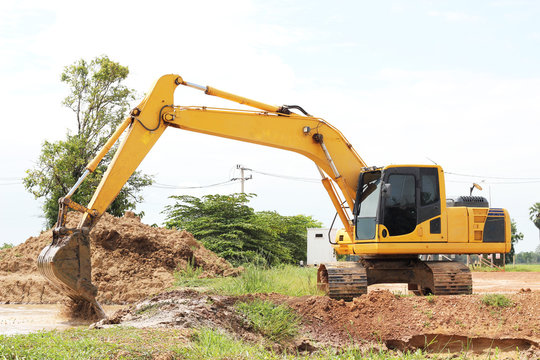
{"x": 229, "y": 227}
{"x": 528, "y": 257}
{"x": 6, "y": 246}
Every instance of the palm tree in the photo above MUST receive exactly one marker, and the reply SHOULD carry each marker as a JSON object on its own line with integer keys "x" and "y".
{"x": 534, "y": 215}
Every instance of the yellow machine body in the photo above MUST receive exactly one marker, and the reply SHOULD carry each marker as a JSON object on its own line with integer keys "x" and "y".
{"x": 450, "y": 230}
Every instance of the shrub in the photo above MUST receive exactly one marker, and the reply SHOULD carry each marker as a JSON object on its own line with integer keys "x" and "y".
{"x": 497, "y": 300}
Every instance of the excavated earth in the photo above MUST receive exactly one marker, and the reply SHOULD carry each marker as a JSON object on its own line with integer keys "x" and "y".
{"x": 130, "y": 261}
{"x": 441, "y": 324}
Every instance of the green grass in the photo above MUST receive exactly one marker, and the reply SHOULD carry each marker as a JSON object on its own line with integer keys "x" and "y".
{"x": 131, "y": 343}
{"x": 85, "y": 344}
{"x": 496, "y": 300}
{"x": 509, "y": 267}
{"x": 285, "y": 279}
{"x": 189, "y": 276}
{"x": 275, "y": 322}
{"x": 523, "y": 268}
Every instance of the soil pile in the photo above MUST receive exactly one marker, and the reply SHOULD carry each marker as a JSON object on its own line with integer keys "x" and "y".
{"x": 381, "y": 315}
{"x": 183, "y": 309}
{"x": 130, "y": 261}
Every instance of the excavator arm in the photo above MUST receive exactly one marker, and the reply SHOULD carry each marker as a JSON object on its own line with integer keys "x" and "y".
{"x": 66, "y": 262}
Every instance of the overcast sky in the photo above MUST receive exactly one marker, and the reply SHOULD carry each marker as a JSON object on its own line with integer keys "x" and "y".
{"x": 407, "y": 82}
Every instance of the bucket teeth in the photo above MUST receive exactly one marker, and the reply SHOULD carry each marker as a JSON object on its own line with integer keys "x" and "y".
{"x": 66, "y": 264}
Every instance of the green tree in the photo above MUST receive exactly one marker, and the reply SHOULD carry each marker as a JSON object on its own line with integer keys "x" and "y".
{"x": 528, "y": 257}
{"x": 229, "y": 227}
{"x": 534, "y": 215}
{"x": 516, "y": 236}
{"x": 289, "y": 230}
{"x": 100, "y": 102}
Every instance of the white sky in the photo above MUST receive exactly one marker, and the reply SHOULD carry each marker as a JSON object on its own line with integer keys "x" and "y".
{"x": 406, "y": 81}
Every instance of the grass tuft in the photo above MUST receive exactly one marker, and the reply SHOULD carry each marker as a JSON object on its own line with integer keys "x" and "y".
{"x": 213, "y": 344}
{"x": 189, "y": 275}
{"x": 276, "y": 322}
{"x": 496, "y": 300}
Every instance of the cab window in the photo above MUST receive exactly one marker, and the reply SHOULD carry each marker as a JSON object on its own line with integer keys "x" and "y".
{"x": 400, "y": 205}
{"x": 430, "y": 188}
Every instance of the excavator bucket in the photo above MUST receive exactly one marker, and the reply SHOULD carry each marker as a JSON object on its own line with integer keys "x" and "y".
{"x": 66, "y": 264}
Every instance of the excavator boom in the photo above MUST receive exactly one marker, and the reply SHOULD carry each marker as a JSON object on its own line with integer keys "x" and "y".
{"x": 66, "y": 261}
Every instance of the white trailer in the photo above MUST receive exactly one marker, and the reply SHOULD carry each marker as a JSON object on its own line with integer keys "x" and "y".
{"x": 319, "y": 249}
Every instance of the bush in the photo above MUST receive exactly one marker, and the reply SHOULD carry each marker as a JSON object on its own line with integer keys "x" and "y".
{"x": 226, "y": 225}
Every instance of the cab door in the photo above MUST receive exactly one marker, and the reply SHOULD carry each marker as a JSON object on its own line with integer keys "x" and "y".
{"x": 410, "y": 197}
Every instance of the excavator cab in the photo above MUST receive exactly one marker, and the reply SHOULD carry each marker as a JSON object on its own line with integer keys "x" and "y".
{"x": 399, "y": 214}
{"x": 403, "y": 210}
{"x": 393, "y": 202}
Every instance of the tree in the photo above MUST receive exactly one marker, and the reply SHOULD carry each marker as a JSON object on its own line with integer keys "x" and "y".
{"x": 289, "y": 230}
{"x": 229, "y": 227}
{"x": 534, "y": 215}
{"x": 528, "y": 257}
{"x": 100, "y": 102}
{"x": 516, "y": 236}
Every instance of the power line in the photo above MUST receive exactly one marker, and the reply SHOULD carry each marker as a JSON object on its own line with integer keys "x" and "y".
{"x": 174, "y": 187}
{"x": 288, "y": 177}
{"x": 496, "y": 182}
{"x": 492, "y": 177}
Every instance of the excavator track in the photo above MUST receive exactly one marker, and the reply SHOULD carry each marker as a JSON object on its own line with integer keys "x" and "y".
{"x": 342, "y": 280}
{"x": 450, "y": 278}
{"x": 347, "y": 280}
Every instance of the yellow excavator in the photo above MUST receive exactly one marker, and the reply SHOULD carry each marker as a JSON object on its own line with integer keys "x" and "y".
{"x": 392, "y": 215}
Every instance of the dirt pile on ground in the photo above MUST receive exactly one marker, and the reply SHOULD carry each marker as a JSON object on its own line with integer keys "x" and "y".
{"x": 383, "y": 315}
{"x": 130, "y": 261}
{"x": 439, "y": 324}
{"x": 184, "y": 309}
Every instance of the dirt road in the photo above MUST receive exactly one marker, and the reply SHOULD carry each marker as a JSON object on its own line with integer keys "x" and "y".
{"x": 505, "y": 282}
{"x": 24, "y": 319}
{"x": 486, "y": 282}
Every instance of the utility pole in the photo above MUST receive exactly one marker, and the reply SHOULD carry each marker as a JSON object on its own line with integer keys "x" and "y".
{"x": 242, "y": 177}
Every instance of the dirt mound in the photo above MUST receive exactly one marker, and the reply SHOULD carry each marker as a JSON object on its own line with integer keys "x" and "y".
{"x": 130, "y": 261}
{"x": 380, "y": 315}
{"x": 184, "y": 309}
